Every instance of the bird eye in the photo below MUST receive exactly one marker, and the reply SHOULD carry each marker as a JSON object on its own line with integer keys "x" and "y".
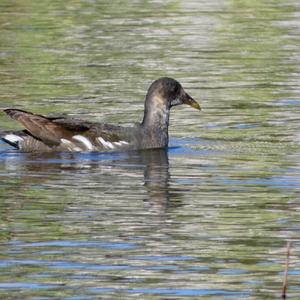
{"x": 175, "y": 89}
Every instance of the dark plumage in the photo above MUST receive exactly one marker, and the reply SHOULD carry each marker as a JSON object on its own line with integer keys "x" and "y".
{"x": 45, "y": 134}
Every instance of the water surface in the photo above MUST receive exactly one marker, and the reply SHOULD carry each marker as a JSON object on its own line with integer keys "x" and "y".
{"x": 207, "y": 218}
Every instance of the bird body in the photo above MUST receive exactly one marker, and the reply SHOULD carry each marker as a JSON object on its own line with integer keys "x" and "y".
{"x": 47, "y": 134}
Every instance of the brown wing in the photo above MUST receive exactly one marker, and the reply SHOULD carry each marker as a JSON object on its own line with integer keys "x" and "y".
{"x": 71, "y": 134}
{"x": 43, "y": 128}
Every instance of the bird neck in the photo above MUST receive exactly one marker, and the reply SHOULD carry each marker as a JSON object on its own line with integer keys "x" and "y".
{"x": 156, "y": 114}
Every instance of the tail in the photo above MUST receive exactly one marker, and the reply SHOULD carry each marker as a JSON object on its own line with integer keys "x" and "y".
{"x": 16, "y": 113}
{"x": 12, "y": 138}
{"x": 38, "y": 126}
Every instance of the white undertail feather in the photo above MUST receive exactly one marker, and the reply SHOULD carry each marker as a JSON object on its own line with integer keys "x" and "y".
{"x": 13, "y": 138}
{"x": 84, "y": 141}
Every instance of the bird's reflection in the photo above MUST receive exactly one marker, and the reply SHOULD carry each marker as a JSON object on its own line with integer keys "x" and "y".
{"x": 39, "y": 169}
{"x": 156, "y": 177}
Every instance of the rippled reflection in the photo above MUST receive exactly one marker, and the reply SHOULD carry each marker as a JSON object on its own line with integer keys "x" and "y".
{"x": 210, "y": 217}
{"x": 38, "y": 168}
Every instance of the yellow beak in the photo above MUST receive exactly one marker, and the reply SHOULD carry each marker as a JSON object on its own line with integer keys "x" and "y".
{"x": 191, "y": 102}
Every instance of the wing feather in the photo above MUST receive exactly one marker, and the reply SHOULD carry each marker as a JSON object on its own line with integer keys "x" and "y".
{"x": 53, "y": 130}
{"x": 43, "y": 128}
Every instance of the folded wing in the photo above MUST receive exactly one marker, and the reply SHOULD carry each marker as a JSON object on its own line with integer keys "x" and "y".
{"x": 63, "y": 134}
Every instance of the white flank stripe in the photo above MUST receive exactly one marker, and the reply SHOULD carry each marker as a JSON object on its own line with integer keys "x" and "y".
{"x": 64, "y": 141}
{"x": 110, "y": 145}
{"x": 13, "y": 138}
{"x": 84, "y": 141}
{"x": 120, "y": 143}
{"x": 105, "y": 143}
{"x": 70, "y": 146}
{"x": 101, "y": 141}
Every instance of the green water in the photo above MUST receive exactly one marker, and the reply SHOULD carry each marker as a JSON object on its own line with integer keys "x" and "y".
{"x": 210, "y": 217}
